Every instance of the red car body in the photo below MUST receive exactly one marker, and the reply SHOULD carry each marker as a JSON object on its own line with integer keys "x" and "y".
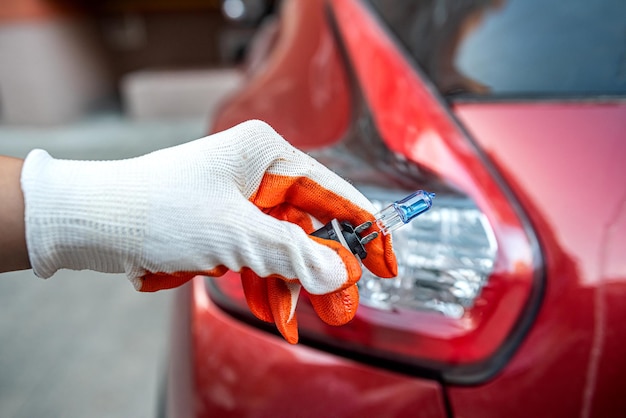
{"x": 547, "y": 335}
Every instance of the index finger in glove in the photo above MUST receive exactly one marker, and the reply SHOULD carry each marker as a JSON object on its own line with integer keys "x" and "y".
{"x": 306, "y": 184}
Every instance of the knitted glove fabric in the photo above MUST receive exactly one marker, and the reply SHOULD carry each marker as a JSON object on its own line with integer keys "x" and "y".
{"x": 241, "y": 199}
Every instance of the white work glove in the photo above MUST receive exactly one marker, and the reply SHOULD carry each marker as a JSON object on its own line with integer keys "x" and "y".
{"x": 241, "y": 199}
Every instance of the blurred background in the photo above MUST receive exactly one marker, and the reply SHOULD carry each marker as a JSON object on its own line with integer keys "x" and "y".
{"x": 103, "y": 80}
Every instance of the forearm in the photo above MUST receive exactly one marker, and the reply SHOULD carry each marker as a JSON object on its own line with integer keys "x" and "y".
{"x": 13, "y": 252}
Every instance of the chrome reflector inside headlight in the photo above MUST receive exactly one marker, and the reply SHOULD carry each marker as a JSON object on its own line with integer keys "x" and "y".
{"x": 444, "y": 259}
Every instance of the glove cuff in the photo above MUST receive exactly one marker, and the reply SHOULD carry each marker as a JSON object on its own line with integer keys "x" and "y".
{"x": 83, "y": 214}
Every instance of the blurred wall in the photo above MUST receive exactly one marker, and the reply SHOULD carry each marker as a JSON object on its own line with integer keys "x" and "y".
{"x": 61, "y": 58}
{"x": 51, "y": 63}
{"x": 17, "y": 10}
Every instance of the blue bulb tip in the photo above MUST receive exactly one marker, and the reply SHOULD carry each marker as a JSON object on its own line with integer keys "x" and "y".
{"x": 414, "y": 205}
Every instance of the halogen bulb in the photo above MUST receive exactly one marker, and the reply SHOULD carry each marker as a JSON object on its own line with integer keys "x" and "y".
{"x": 403, "y": 211}
{"x": 388, "y": 220}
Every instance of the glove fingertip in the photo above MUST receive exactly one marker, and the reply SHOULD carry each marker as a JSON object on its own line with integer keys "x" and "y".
{"x": 381, "y": 260}
{"x": 353, "y": 266}
{"x": 391, "y": 263}
{"x": 255, "y": 292}
{"x": 349, "y": 260}
{"x": 282, "y": 300}
{"x": 337, "y": 308}
{"x": 289, "y": 330}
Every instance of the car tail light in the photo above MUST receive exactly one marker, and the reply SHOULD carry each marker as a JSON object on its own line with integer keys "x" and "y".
{"x": 470, "y": 278}
{"x": 444, "y": 259}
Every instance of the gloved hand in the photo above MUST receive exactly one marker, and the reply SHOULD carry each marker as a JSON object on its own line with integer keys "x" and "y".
{"x": 241, "y": 199}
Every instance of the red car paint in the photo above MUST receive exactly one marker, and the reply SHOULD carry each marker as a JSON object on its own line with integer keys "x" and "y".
{"x": 242, "y": 371}
{"x": 572, "y": 361}
{"x": 304, "y": 60}
{"x": 563, "y": 161}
